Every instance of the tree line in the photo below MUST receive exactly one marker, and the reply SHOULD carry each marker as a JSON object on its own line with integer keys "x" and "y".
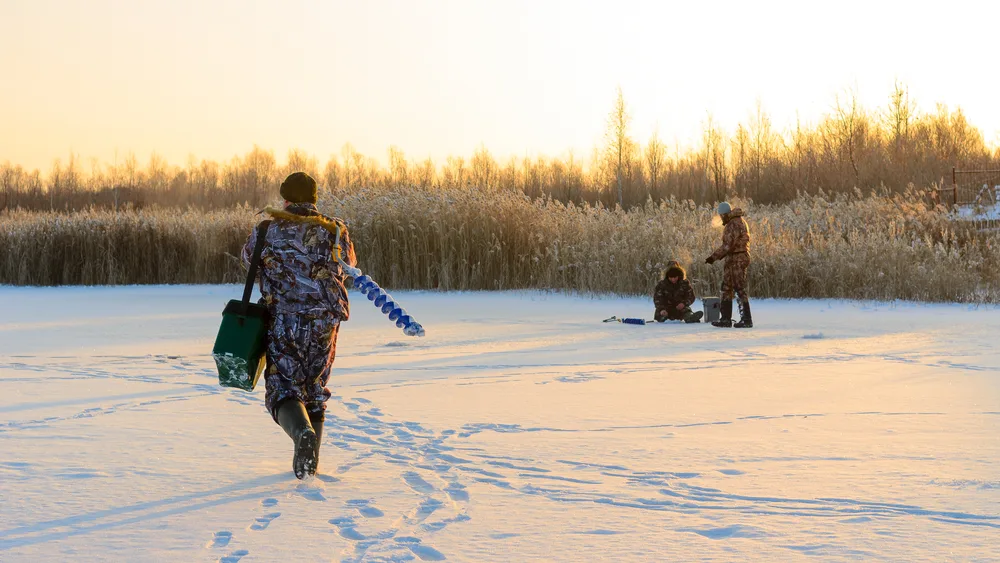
{"x": 887, "y": 148}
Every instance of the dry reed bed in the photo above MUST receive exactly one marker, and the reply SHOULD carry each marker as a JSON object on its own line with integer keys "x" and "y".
{"x": 848, "y": 246}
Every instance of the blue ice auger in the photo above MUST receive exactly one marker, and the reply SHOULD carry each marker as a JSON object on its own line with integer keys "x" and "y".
{"x": 366, "y": 285}
{"x": 626, "y": 320}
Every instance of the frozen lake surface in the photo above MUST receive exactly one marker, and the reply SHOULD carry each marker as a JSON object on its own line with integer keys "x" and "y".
{"x": 521, "y": 428}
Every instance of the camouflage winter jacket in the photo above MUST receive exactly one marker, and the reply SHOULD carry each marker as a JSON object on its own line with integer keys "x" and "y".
{"x": 667, "y": 295}
{"x": 735, "y": 236}
{"x": 299, "y": 273}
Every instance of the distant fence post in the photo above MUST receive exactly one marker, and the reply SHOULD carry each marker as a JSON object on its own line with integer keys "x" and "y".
{"x": 954, "y": 187}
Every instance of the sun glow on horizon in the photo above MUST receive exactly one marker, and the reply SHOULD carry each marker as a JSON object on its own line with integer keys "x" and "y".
{"x": 212, "y": 80}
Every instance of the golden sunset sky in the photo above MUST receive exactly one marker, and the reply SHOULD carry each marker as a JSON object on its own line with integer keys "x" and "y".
{"x": 213, "y": 78}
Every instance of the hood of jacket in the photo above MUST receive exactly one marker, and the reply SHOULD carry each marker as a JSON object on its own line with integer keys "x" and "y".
{"x": 674, "y": 269}
{"x": 738, "y": 212}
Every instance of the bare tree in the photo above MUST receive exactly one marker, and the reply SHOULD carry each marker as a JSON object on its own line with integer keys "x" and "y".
{"x": 740, "y": 157}
{"x": 898, "y": 115}
{"x": 72, "y": 173}
{"x": 398, "y": 167}
{"x": 426, "y": 173}
{"x": 574, "y": 177}
{"x": 366, "y": 169}
{"x": 484, "y": 169}
{"x": 332, "y": 174}
{"x": 767, "y": 145}
{"x": 300, "y": 160}
{"x": 619, "y": 146}
{"x": 801, "y": 157}
{"x": 7, "y": 181}
{"x": 715, "y": 158}
{"x": 454, "y": 171}
{"x": 350, "y": 173}
{"x": 259, "y": 171}
{"x": 655, "y": 159}
{"x": 847, "y": 122}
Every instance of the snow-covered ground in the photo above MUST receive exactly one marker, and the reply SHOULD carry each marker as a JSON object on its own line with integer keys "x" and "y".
{"x": 520, "y": 429}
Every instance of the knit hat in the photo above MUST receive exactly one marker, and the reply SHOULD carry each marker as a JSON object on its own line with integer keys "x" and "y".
{"x": 724, "y": 207}
{"x": 674, "y": 270}
{"x": 299, "y": 187}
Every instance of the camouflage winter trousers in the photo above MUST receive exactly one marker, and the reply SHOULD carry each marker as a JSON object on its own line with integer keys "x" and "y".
{"x": 734, "y": 277}
{"x": 300, "y": 354}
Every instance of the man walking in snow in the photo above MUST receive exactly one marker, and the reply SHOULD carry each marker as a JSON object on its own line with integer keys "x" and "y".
{"x": 674, "y": 296}
{"x": 302, "y": 285}
{"x": 736, "y": 250}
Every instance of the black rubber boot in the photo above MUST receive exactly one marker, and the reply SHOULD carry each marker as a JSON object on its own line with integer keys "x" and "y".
{"x": 316, "y": 419}
{"x": 294, "y": 420}
{"x": 746, "y": 320}
{"x": 692, "y": 316}
{"x": 726, "y": 321}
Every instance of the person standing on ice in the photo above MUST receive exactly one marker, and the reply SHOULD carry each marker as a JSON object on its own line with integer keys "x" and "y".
{"x": 674, "y": 296}
{"x": 303, "y": 287}
{"x": 736, "y": 250}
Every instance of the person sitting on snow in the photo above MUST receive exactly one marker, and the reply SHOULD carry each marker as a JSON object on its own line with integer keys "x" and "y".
{"x": 674, "y": 296}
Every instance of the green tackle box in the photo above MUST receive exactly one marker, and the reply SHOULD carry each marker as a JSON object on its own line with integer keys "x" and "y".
{"x": 240, "y": 345}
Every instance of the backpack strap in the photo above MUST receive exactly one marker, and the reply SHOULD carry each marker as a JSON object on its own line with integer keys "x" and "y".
{"x": 258, "y": 248}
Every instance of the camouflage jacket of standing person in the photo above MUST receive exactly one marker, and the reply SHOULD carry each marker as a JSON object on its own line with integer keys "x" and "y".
{"x": 667, "y": 295}
{"x": 299, "y": 272}
{"x": 735, "y": 236}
